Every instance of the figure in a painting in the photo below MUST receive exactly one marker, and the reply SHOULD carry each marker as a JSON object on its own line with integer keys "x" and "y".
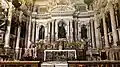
{"x": 83, "y": 32}
{"x": 61, "y": 30}
{"x": 41, "y": 32}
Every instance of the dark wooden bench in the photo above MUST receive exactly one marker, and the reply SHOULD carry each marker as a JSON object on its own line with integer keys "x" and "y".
{"x": 102, "y": 63}
{"x": 20, "y": 64}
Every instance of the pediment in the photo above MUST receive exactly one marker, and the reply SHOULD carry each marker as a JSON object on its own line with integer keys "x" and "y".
{"x": 61, "y": 8}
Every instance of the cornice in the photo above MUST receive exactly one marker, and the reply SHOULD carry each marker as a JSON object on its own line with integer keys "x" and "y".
{"x": 43, "y": 15}
{"x": 66, "y": 13}
{"x": 86, "y": 14}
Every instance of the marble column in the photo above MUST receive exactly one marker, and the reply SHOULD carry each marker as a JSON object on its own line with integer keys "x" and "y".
{"x": 113, "y": 23}
{"x": 35, "y": 52}
{"x": 53, "y": 30}
{"x": 17, "y": 42}
{"x": 97, "y": 32}
{"x": 79, "y": 32}
{"x": 45, "y": 33}
{"x": 33, "y": 36}
{"x": 29, "y": 32}
{"x": 67, "y": 31}
{"x": 49, "y": 31}
{"x": 56, "y": 30}
{"x": 18, "y": 36}
{"x": 88, "y": 32}
{"x": 34, "y": 26}
{"x": 93, "y": 35}
{"x": 26, "y": 33}
{"x": 110, "y": 38}
{"x": 105, "y": 31}
{"x": 119, "y": 33}
{"x": 71, "y": 31}
{"x": 33, "y": 33}
{"x": 20, "y": 55}
{"x": 37, "y": 33}
{"x": 7, "y": 34}
{"x": 19, "y": 31}
{"x": 75, "y": 31}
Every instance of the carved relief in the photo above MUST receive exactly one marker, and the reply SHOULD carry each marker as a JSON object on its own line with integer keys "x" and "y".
{"x": 59, "y": 2}
{"x": 63, "y": 2}
{"x": 61, "y": 8}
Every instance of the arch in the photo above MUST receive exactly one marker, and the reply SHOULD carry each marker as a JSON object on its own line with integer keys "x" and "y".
{"x": 83, "y": 32}
{"x": 42, "y": 32}
{"x": 61, "y": 29}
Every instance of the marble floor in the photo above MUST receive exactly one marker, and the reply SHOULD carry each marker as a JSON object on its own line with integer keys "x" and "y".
{"x": 54, "y": 64}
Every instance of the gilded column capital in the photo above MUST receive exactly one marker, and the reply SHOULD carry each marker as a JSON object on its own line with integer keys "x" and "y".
{"x": 102, "y": 10}
{"x": 45, "y": 25}
{"x": 110, "y": 2}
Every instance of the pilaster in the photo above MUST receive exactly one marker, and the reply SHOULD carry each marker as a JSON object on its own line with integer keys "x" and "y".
{"x": 97, "y": 32}
{"x": 113, "y": 23}
{"x": 37, "y": 32}
{"x": 71, "y": 31}
{"x": 93, "y": 35}
{"x": 105, "y": 30}
{"x": 46, "y": 32}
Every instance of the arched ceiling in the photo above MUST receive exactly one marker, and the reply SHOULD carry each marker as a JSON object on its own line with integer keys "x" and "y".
{"x": 48, "y": 4}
